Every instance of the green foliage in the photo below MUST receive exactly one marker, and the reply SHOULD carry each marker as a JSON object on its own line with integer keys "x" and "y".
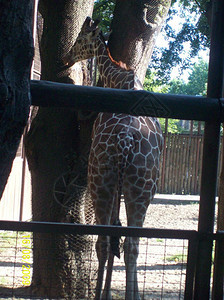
{"x": 195, "y": 85}
{"x": 186, "y": 25}
{"x": 178, "y": 258}
{"x": 103, "y": 11}
{"x": 173, "y": 125}
{"x": 152, "y": 84}
{"x": 197, "y": 81}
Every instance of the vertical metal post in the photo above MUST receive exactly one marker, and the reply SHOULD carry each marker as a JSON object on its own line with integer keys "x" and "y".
{"x": 218, "y": 276}
{"x": 210, "y": 156}
{"x": 190, "y": 270}
{"x": 207, "y": 208}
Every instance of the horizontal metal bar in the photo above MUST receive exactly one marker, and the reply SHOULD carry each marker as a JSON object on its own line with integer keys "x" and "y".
{"x": 219, "y": 236}
{"x": 53, "y": 227}
{"x": 51, "y": 94}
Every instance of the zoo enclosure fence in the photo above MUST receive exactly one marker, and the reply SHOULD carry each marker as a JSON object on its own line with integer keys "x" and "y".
{"x": 180, "y": 174}
{"x": 181, "y": 164}
{"x": 164, "y": 286}
{"x": 198, "y": 280}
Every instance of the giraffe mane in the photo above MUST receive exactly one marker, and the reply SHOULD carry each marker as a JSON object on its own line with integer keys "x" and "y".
{"x": 120, "y": 63}
{"x": 91, "y": 26}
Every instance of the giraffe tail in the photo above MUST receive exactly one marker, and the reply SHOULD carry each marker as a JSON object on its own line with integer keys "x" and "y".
{"x": 115, "y": 241}
{"x": 125, "y": 142}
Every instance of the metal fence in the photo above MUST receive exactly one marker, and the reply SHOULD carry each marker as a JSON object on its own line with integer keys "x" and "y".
{"x": 200, "y": 245}
{"x": 166, "y": 268}
{"x": 161, "y": 269}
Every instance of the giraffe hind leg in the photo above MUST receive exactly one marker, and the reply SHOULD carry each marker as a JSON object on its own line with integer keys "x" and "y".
{"x": 114, "y": 247}
{"x": 114, "y": 251}
{"x": 103, "y": 203}
{"x": 130, "y": 257}
{"x": 102, "y": 255}
{"x": 136, "y": 202}
{"x": 107, "y": 288}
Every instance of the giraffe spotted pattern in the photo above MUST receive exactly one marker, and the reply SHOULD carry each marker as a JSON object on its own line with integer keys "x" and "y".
{"x": 124, "y": 158}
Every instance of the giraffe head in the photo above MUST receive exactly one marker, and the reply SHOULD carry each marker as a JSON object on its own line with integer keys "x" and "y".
{"x": 85, "y": 44}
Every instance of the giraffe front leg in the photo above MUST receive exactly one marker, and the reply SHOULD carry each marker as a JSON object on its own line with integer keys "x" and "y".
{"x": 102, "y": 245}
{"x": 130, "y": 259}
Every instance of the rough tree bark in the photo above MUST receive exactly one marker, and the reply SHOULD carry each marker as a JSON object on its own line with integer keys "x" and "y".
{"x": 16, "y": 53}
{"x": 53, "y": 148}
{"x": 57, "y": 142}
{"x": 135, "y": 27}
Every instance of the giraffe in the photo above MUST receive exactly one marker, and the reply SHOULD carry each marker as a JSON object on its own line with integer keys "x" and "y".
{"x": 124, "y": 158}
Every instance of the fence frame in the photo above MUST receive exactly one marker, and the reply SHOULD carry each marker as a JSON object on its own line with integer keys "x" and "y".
{"x": 194, "y": 238}
{"x": 210, "y": 109}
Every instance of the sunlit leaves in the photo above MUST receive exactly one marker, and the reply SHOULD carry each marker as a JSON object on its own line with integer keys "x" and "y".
{"x": 103, "y": 11}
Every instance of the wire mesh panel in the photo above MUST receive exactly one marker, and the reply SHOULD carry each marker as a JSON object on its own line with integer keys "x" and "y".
{"x": 11, "y": 260}
{"x": 161, "y": 268}
{"x": 16, "y": 266}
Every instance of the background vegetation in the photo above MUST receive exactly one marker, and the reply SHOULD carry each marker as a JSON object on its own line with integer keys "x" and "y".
{"x": 179, "y": 64}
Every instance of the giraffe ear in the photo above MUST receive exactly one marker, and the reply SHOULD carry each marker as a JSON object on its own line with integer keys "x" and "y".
{"x": 87, "y": 22}
{"x": 96, "y": 32}
{"x": 90, "y": 25}
{"x": 94, "y": 25}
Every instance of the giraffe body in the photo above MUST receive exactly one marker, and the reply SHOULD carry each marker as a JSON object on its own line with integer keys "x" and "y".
{"x": 124, "y": 158}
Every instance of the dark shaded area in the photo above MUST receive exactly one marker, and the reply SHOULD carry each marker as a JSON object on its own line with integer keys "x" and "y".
{"x": 16, "y": 53}
{"x": 53, "y": 148}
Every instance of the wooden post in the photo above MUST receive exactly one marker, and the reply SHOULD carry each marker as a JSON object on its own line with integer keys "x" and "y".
{"x": 164, "y": 158}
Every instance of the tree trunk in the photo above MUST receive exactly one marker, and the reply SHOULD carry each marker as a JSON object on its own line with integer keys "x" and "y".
{"x": 135, "y": 27}
{"x": 16, "y": 53}
{"x": 53, "y": 148}
{"x": 59, "y": 140}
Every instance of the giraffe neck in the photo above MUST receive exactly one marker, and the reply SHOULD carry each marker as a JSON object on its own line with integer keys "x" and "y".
{"x": 112, "y": 74}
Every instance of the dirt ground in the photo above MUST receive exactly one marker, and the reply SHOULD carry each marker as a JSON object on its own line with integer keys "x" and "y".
{"x": 161, "y": 262}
